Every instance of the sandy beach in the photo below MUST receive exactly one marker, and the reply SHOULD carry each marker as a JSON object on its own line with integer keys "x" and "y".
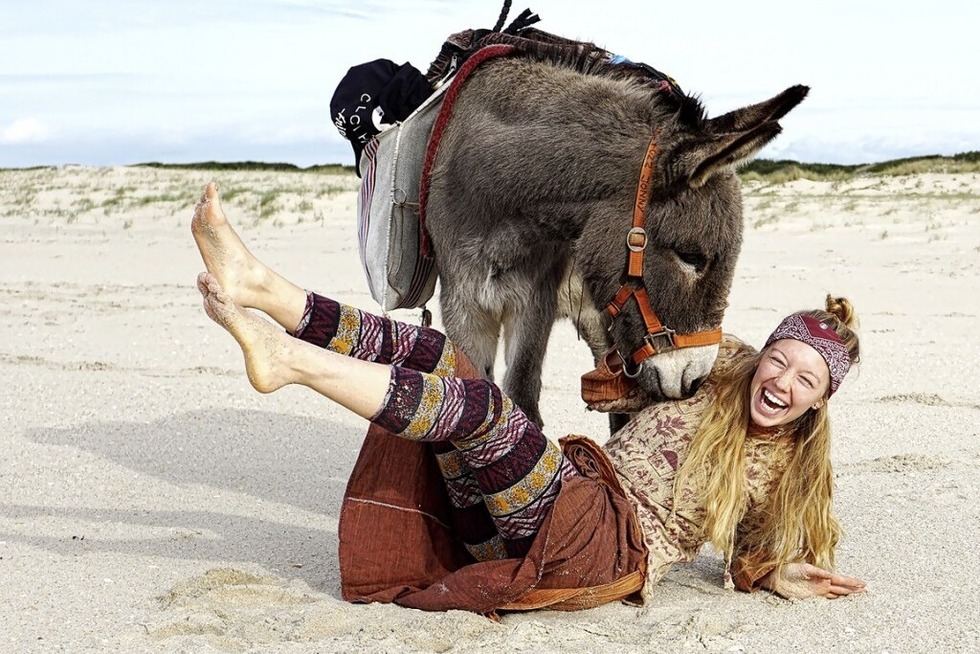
{"x": 151, "y": 501}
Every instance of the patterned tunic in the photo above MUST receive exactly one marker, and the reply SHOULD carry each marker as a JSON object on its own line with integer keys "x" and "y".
{"x": 647, "y": 453}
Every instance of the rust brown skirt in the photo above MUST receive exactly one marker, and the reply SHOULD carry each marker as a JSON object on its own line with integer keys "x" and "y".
{"x": 396, "y": 543}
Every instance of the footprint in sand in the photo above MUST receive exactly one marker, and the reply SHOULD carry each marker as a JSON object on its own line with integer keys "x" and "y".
{"x": 895, "y": 463}
{"x": 928, "y": 399}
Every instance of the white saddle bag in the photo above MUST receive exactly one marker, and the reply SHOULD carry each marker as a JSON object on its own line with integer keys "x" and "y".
{"x": 389, "y": 236}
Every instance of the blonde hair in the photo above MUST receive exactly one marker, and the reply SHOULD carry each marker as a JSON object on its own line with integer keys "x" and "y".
{"x": 798, "y": 522}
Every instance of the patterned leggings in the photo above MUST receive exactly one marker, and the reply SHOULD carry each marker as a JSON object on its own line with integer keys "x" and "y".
{"x": 502, "y": 474}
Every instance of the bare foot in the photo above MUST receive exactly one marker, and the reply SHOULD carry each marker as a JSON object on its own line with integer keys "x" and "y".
{"x": 236, "y": 270}
{"x": 263, "y": 345}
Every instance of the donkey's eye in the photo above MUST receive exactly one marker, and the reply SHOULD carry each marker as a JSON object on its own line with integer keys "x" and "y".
{"x": 695, "y": 259}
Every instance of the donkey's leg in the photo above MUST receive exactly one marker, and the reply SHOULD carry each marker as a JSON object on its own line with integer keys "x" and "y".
{"x": 592, "y": 327}
{"x": 591, "y": 324}
{"x": 617, "y": 421}
{"x": 527, "y": 327}
{"x": 474, "y": 329}
{"x": 594, "y": 331}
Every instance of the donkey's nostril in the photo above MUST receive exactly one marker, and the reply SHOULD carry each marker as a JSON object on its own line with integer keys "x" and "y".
{"x": 695, "y": 385}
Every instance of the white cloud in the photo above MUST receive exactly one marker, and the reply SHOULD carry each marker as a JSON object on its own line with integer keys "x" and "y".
{"x": 25, "y": 130}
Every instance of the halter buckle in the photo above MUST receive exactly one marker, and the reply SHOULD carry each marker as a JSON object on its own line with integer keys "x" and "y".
{"x": 665, "y": 336}
{"x": 636, "y": 239}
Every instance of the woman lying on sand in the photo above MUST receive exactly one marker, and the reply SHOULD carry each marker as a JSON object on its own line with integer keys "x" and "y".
{"x": 515, "y": 521}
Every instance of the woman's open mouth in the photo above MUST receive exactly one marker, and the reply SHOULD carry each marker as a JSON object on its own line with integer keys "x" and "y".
{"x": 769, "y": 403}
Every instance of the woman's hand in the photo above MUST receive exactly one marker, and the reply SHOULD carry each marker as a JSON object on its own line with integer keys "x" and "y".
{"x": 799, "y": 580}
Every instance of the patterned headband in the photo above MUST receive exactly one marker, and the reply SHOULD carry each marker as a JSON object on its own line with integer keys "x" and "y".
{"x": 821, "y": 338}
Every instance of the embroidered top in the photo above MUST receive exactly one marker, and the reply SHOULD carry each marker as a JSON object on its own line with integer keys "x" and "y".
{"x": 647, "y": 453}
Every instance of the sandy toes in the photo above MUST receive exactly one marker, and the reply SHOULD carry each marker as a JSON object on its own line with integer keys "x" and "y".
{"x": 263, "y": 345}
{"x": 236, "y": 270}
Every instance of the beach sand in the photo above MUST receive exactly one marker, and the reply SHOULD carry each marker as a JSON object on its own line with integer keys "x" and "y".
{"x": 151, "y": 501}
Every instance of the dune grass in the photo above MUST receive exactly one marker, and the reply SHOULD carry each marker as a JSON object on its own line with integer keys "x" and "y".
{"x": 786, "y": 170}
{"x": 132, "y": 195}
{"x": 283, "y": 194}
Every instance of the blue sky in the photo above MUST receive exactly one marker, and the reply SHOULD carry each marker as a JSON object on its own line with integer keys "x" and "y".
{"x": 109, "y": 83}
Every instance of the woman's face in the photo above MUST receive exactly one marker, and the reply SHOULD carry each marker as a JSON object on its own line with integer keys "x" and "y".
{"x": 791, "y": 378}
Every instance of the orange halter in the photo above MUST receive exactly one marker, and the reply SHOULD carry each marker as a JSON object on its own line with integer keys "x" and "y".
{"x": 659, "y": 338}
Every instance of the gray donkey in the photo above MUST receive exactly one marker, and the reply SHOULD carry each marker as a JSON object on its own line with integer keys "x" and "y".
{"x": 532, "y": 193}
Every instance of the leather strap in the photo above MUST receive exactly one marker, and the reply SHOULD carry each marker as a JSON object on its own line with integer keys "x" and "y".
{"x": 635, "y": 287}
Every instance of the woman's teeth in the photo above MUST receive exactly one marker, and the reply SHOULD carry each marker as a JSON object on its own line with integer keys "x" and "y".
{"x": 772, "y": 401}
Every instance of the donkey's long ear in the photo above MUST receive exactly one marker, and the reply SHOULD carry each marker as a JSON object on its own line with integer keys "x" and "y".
{"x": 707, "y": 154}
{"x": 756, "y": 114}
{"x": 725, "y": 142}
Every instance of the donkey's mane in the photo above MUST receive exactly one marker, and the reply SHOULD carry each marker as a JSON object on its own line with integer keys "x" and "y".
{"x": 588, "y": 59}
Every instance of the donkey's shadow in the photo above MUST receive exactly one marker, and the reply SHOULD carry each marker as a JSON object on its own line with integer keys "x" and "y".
{"x": 290, "y": 460}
